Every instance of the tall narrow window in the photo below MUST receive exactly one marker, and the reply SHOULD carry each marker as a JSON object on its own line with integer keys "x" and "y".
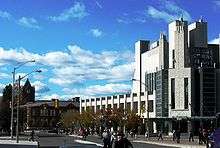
{"x": 186, "y": 94}
{"x": 172, "y": 93}
{"x": 174, "y": 61}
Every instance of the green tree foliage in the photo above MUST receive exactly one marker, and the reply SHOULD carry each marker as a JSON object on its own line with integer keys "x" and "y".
{"x": 70, "y": 118}
{"x": 5, "y": 108}
{"x": 132, "y": 121}
{"x": 87, "y": 118}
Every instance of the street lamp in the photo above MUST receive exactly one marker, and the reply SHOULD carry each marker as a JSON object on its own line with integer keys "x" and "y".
{"x": 12, "y": 96}
{"x": 146, "y": 103}
{"x": 19, "y": 97}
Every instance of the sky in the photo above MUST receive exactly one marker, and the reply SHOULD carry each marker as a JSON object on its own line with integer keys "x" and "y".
{"x": 86, "y": 47}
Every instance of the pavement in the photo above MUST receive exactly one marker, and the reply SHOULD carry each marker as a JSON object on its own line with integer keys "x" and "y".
{"x": 94, "y": 141}
{"x": 167, "y": 141}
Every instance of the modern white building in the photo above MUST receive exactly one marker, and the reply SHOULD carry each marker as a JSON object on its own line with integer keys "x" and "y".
{"x": 176, "y": 81}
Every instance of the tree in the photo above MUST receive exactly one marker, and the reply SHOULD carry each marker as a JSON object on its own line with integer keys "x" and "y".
{"x": 87, "y": 118}
{"x": 70, "y": 118}
{"x": 5, "y": 111}
{"x": 133, "y": 121}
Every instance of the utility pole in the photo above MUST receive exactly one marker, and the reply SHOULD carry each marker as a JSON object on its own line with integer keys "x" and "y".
{"x": 18, "y": 102}
{"x": 12, "y": 102}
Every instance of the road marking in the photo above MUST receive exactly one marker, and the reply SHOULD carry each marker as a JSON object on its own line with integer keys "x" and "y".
{"x": 88, "y": 142}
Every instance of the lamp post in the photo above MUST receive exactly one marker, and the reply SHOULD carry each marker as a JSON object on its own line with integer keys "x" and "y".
{"x": 12, "y": 96}
{"x": 18, "y": 101}
{"x": 146, "y": 103}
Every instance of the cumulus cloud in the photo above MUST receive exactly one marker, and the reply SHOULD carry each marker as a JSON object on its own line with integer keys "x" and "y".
{"x": 95, "y": 90}
{"x": 40, "y": 87}
{"x": 214, "y": 41}
{"x": 29, "y": 23}
{"x": 217, "y": 3}
{"x": 96, "y": 32}
{"x": 2, "y": 86}
{"x": 5, "y": 15}
{"x": 168, "y": 12}
{"x": 77, "y": 11}
{"x": 77, "y": 65}
{"x": 4, "y": 76}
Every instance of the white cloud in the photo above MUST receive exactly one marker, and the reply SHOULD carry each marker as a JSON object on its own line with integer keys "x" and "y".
{"x": 77, "y": 11}
{"x": 214, "y": 41}
{"x": 40, "y": 87}
{"x": 4, "y": 76}
{"x": 77, "y": 65}
{"x": 217, "y": 3}
{"x": 95, "y": 90}
{"x": 4, "y": 14}
{"x": 29, "y": 23}
{"x": 2, "y": 86}
{"x": 98, "y": 4}
{"x": 49, "y": 97}
{"x": 96, "y": 32}
{"x": 169, "y": 11}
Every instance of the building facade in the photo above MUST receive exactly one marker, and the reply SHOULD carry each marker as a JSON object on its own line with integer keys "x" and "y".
{"x": 176, "y": 80}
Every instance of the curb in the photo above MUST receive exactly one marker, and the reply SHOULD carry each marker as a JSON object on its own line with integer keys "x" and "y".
{"x": 170, "y": 145}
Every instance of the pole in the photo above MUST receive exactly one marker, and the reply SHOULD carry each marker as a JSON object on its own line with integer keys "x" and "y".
{"x": 147, "y": 115}
{"x": 12, "y": 103}
{"x": 18, "y": 101}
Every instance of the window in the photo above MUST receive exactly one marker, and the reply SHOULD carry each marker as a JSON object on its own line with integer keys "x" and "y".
{"x": 134, "y": 94}
{"x": 114, "y": 97}
{"x": 135, "y": 107}
{"x": 142, "y": 93}
{"x": 186, "y": 94}
{"x": 174, "y": 61}
{"x": 83, "y": 101}
{"x": 172, "y": 93}
{"x": 121, "y": 96}
{"x": 150, "y": 105}
{"x": 121, "y": 105}
{"x": 128, "y": 95}
{"x": 109, "y": 106}
{"x": 103, "y": 98}
{"x": 98, "y": 107}
{"x": 115, "y": 106}
{"x": 109, "y": 98}
{"x": 87, "y": 100}
{"x": 97, "y": 99}
{"x": 92, "y": 99}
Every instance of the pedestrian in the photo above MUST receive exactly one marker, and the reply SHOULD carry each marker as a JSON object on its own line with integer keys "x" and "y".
{"x": 174, "y": 135}
{"x": 106, "y": 139}
{"x": 122, "y": 142}
{"x": 191, "y": 136}
{"x": 178, "y": 136}
{"x": 200, "y": 136}
{"x": 32, "y": 136}
{"x": 160, "y": 136}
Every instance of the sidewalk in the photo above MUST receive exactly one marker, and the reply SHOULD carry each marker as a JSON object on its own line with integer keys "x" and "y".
{"x": 170, "y": 144}
{"x": 168, "y": 141}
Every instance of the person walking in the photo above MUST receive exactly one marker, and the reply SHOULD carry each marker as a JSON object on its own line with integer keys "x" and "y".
{"x": 32, "y": 136}
{"x": 174, "y": 135}
{"x": 106, "y": 139}
{"x": 122, "y": 142}
{"x": 191, "y": 136}
{"x": 178, "y": 136}
{"x": 160, "y": 136}
{"x": 200, "y": 136}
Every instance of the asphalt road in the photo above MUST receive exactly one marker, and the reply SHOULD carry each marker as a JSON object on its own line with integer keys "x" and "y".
{"x": 72, "y": 142}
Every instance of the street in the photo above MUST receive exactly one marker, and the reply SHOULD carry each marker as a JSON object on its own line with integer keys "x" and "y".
{"x": 90, "y": 142}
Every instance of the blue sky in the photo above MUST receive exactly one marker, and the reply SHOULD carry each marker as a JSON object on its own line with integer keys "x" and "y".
{"x": 86, "y": 47}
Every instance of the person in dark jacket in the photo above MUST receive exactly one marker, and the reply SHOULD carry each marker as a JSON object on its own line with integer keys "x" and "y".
{"x": 178, "y": 136}
{"x": 122, "y": 142}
